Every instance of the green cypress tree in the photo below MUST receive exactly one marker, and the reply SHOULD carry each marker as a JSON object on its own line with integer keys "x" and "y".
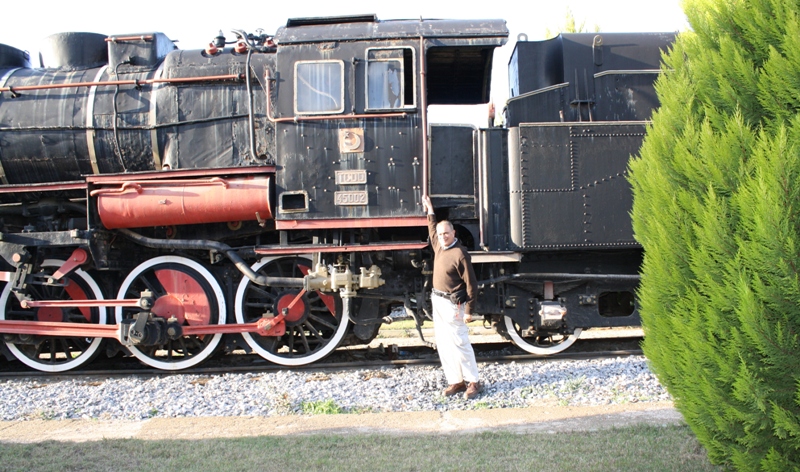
{"x": 717, "y": 210}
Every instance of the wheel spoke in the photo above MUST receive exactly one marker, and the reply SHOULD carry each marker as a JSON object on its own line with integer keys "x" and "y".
{"x": 65, "y": 348}
{"x": 304, "y": 339}
{"x": 322, "y": 322}
{"x": 38, "y": 349}
{"x": 314, "y": 331}
{"x": 185, "y": 350}
{"x": 19, "y": 314}
{"x": 149, "y": 286}
{"x": 256, "y": 290}
{"x": 258, "y": 305}
{"x": 36, "y": 292}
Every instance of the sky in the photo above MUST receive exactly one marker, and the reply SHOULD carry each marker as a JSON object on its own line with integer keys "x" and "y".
{"x": 195, "y": 23}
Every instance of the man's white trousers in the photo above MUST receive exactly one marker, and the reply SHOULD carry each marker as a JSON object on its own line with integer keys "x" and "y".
{"x": 452, "y": 341}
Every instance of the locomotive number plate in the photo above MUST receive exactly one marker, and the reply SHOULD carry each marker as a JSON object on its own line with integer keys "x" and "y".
{"x": 351, "y": 177}
{"x": 351, "y": 198}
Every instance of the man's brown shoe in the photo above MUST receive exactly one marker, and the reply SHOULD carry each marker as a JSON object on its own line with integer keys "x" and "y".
{"x": 452, "y": 389}
{"x": 473, "y": 390}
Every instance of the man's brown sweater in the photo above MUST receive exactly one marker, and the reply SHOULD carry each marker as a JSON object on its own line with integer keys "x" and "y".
{"x": 452, "y": 268}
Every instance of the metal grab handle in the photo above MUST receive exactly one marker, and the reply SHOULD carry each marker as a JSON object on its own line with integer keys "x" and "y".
{"x": 113, "y": 39}
{"x": 139, "y": 184}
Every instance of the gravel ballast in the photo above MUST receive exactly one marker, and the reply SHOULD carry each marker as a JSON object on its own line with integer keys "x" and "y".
{"x": 412, "y": 388}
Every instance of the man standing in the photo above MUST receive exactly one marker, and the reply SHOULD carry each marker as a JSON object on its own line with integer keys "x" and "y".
{"x": 453, "y": 298}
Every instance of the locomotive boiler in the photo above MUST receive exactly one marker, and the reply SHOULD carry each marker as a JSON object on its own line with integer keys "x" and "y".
{"x": 265, "y": 193}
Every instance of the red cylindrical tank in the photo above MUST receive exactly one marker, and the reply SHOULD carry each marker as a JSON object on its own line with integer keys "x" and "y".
{"x": 137, "y": 204}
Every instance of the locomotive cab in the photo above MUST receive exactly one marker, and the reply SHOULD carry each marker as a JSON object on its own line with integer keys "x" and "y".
{"x": 351, "y": 97}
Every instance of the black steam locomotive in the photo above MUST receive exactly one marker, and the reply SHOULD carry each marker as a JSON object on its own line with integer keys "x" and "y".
{"x": 265, "y": 193}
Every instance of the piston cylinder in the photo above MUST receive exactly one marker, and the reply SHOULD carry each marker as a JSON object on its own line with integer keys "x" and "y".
{"x": 151, "y": 203}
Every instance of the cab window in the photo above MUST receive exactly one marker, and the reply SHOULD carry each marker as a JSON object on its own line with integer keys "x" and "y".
{"x": 390, "y": 82}
{"x": 319, "y": 87}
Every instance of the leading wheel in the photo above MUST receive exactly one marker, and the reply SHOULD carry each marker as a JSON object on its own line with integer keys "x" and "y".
{"x": 185, "y": 290}
{"x": 315, "y": 325}
{"x": 540, "y": 344}
{"x": 51, "y": 353}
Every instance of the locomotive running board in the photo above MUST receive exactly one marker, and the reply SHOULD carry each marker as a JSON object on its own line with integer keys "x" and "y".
{"x": 351, "y": 223}
{"x": 310, "y": 249}
{"x": 109, "y": 179}
{"x": 48, "y": 187}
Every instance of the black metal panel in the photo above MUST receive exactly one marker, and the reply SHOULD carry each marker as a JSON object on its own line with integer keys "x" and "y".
{"x": 614, "y": 51}
{"x": 494, "y": 188}
{"x": 585, "y": 77}
{"x": 535, "y": 65}
{"x": 452, "y": 168}
{"x": 620, "y": 96}
{"x": 572, "y": 190}
{"x": 626, "y": 96}
{"x": 546, "y": 105}
{"x": 540, "y": 64}
{"x": 309, "y": 156}
{"x": 551, "y": 163}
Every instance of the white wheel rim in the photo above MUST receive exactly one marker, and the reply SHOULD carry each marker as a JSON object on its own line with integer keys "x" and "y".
{"x": 212, "y": 282}
{"x": 332, "y": 344}
{"x": 538, "y": 350}
{"x": 87, "y": 354}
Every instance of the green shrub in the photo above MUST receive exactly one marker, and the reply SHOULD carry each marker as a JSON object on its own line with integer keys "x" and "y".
{"x": 716, "y": 202}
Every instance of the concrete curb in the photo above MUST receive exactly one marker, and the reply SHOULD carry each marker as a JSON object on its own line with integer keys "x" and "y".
{"x": 537, "y": 419}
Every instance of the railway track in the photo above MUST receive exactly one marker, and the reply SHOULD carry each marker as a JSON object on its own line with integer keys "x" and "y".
{"x": 383, "y": 355}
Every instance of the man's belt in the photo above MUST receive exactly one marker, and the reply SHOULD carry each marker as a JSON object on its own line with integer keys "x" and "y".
{"x": 439, "y": 293}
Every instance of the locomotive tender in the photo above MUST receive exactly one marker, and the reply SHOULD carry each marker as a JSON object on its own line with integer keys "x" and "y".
{"x": 266, "y": 193}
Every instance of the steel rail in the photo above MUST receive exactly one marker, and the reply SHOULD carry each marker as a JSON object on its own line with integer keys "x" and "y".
{"x": 264, "y": 367}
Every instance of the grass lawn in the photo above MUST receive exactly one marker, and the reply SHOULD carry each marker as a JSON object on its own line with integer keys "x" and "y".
{"x": 638, "y": 448}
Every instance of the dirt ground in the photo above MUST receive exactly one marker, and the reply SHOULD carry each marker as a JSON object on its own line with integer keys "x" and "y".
{"x": 544, "y": 418}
